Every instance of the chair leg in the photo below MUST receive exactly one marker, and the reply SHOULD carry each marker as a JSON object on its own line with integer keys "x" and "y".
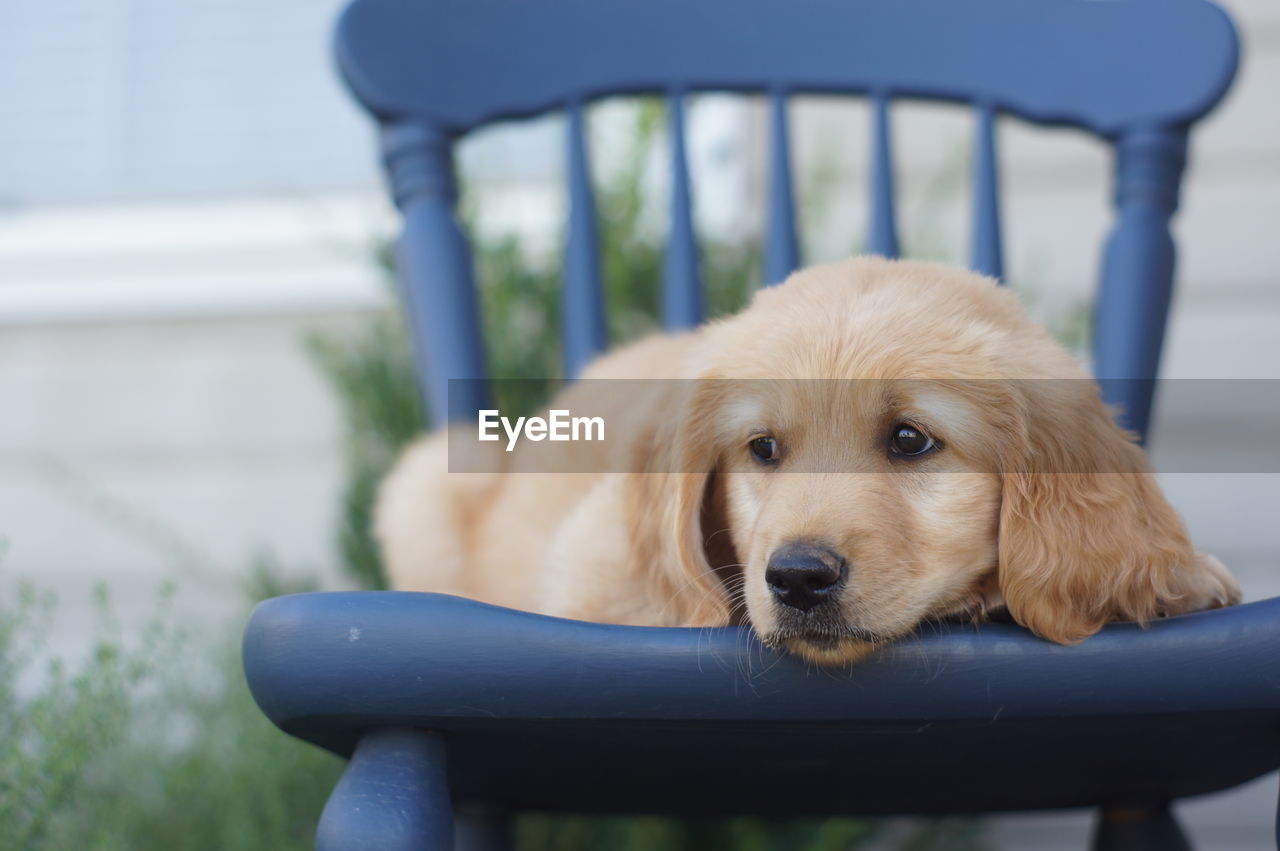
{"x": 483, "y": 831}
{"x": 394, "y": 796}
{"x": 1138, "y": 829}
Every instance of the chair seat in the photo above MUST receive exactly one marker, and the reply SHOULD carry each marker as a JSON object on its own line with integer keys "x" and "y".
{"x": 542, "y": 713}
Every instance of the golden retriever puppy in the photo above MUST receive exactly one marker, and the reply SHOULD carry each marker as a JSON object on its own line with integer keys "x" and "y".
{"x": 867, "y": 446}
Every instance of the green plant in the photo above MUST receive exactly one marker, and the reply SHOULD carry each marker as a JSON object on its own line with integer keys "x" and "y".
{"x": 543, "y": 833}
{"x": 49, "y": 733}
{"x": 149, "y": 743}
{"x": 372, "y": 374}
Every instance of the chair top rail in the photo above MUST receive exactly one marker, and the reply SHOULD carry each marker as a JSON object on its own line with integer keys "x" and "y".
{"x": 1102, "y": 65}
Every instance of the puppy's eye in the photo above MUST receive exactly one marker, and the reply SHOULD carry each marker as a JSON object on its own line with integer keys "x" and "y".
{"x": 910, "y": 441}
{"x": 765, "y": 449}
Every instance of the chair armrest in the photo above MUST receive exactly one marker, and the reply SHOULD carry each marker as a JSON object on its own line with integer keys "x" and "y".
{"x": 381, "y": 656}
{"x": 540, "y": 713}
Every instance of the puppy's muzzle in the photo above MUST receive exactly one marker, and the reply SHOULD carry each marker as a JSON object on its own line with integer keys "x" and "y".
{"x": 804, "y": 574}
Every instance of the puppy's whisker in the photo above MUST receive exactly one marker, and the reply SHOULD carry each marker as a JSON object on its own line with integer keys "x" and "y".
{"x": 712, "y": 537}
{"x": 677, "y": 594}
{"x": 733, "y": 586}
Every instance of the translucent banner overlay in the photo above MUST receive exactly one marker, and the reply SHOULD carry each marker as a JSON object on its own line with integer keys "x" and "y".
{"x": 891, "y": 426}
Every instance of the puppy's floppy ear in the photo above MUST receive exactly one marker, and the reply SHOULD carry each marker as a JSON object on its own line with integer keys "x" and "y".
{"x": 665, "y": 500}
{"x": 1086, "y": 536}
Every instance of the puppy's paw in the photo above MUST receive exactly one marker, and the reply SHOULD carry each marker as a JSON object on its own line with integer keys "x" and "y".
{"x": 1205, "y": 584}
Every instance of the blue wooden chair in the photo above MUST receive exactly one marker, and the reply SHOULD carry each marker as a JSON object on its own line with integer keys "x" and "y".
{"x": 449, "y": 706}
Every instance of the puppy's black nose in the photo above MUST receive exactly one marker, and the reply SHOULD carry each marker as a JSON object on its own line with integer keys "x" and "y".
{"x": 803, "y": 574}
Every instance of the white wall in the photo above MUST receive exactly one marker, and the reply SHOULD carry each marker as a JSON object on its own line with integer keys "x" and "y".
{"x": 133, "y": 98}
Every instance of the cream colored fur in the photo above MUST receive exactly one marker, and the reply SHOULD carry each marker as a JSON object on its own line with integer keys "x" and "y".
{"x": 989, "y": 520}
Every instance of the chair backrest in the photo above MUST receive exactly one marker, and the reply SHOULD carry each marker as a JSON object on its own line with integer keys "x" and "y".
{"x": 1136, "y": 73}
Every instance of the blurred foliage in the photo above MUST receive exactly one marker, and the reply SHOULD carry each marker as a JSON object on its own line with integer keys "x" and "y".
{"x": 548, "y": 833}
{"x": 372, "y": 374}
{"x": 150, "y": 744}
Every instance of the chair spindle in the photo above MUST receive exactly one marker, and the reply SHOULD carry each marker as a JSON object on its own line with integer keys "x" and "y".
{"x": 584, "y": 333}
{"x": 681, "y": 285}
{"x": 435, "y": 268}
{"x": 1137, "y": 271}
{"x": 782, "y": 251}
{"x": 986, "y": 254}
{"x": 393, "y": 795}
{"x": 882, "y": 237}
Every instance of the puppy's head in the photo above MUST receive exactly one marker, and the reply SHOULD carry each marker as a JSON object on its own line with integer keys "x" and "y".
{"x": 875, "y": 444}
